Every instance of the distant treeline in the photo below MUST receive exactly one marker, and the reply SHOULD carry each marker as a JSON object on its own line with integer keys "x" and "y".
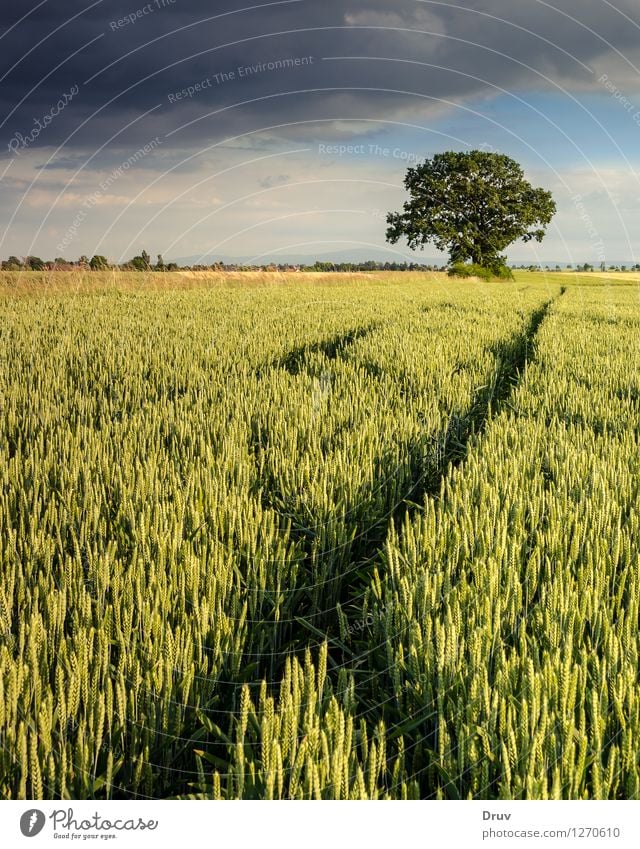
{"x": 144, "y": 263}
{"x": 585, "y": 266}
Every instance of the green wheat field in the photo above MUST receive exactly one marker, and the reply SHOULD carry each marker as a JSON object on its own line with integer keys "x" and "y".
{"x": 319, "y": 537}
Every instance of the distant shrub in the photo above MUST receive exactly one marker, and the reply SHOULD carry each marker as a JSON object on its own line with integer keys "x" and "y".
{"x": 461, "y": 269}
{"x": 99, "y": 263}
{"x": 503, "y": 272}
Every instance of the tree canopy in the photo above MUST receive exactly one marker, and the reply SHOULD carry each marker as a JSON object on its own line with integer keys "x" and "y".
{"x": 99, "y": 263}
{"x": 471, "y": 204}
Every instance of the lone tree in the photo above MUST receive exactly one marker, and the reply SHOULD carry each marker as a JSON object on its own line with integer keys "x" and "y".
{"x": 99, "y": 263}
{"x": 472, "y": 205}
{"x": 140, "y": 263}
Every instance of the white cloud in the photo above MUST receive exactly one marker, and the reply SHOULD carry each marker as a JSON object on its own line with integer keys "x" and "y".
{"x": 416, "y": 18}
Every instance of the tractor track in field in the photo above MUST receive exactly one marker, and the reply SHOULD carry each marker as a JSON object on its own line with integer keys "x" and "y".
{"x": 430, "y": 464}
{"x": 295, "y": 361}
{"x": 310, "y": 628}
{"x": 451, "y": 447}
{"x": 512, "y": 358}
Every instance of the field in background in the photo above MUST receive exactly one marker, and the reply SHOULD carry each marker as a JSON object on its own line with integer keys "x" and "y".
{"x": 72, "y": 282}
{"x": 319, "y": 536}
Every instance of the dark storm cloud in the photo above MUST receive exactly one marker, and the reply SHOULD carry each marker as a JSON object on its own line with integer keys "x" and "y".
{"x": 208, "y": 72}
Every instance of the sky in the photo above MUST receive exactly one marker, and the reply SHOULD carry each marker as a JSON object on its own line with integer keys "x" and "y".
{"x": 283, "y": 130}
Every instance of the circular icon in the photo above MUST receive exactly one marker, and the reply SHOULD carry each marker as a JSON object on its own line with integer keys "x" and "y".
{"x": 32, "y": 822}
